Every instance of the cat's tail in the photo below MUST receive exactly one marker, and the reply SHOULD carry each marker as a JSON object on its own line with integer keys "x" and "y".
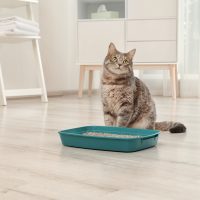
{"x": 173, "y": 127}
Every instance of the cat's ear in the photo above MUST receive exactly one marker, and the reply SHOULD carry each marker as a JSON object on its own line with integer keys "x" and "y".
{"x": 131, "y": 54}
{"x": 112, "y": 49}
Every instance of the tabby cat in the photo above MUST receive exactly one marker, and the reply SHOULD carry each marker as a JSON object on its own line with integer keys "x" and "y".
{"x": 126, "y": 99}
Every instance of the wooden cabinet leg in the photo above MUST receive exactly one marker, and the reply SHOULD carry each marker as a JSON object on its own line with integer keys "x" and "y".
{"x": 81, "y": 80}
{"x": 3, "y": 101}
{"x": 90, "y": 82}
{"x": 173, "y": 77}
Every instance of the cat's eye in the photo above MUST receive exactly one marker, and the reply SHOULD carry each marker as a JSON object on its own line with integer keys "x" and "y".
{"x": 114, "y": 58}
{"x": 125, "y": 61}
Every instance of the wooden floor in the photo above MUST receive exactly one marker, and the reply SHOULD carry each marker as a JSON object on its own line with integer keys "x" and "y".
{"x": 35, "y": 166}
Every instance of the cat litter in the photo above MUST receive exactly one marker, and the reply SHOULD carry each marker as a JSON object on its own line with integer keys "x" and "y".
{"x": 110, "y": 135}
{"x": 109, "y": 138}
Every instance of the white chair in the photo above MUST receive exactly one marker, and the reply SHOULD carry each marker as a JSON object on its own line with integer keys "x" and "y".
{"x": 41, "y": 91}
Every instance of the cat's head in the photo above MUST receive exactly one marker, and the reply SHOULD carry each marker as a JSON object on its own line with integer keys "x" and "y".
{"x": 119, "y": 63}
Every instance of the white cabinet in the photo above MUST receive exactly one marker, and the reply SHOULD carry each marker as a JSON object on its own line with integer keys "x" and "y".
{"x": 150, "y": 26}
{"x": 95, "y": 36}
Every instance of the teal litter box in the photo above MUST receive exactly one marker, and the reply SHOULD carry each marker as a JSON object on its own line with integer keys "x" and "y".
{"x": 109, "y": 138}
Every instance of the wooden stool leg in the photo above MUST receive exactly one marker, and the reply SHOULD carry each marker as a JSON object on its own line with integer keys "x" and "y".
{"x": 90, "y": 82}
{"x": 81, "y": 80}
{"x": 176, "y": 79}
{"x": 2, "y": 90}
{"x": 173, "y": 75}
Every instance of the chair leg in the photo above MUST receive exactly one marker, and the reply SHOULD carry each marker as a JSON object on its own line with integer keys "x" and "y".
{"x": 173, "y": 77}
{"x": 3, "y": 101}
{"x": 40, "y": 70}
{"x": 81, "y": 80}
{"x": 90, "y": 82}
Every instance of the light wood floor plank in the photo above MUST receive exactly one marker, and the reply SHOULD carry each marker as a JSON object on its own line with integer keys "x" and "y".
{"x": 34, "y": 165}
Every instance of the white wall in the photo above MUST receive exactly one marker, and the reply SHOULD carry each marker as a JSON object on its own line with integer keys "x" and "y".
{"x": 54, "y": 43}
{"x": 58, "y": 44}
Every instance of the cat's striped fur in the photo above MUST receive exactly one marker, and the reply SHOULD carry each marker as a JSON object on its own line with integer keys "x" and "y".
{"x": 126, "y": 99}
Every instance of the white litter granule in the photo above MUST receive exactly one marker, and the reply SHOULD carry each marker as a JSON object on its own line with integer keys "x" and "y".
{"x": 110, "y": 135}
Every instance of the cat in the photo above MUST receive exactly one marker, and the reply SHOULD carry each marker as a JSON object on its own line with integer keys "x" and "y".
{"x": 126, "y": 100}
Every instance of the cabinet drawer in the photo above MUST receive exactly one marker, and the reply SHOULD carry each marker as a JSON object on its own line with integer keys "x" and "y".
{"x": 142, "y": 30}
{"x": 94, "y": 38}
{"x": 146, "y": 9}
{"x": 156, "y": 51}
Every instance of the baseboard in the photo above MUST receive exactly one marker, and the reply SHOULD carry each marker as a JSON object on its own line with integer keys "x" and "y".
{"x": 56, "y": 94}
{"x": 69, "y": 92}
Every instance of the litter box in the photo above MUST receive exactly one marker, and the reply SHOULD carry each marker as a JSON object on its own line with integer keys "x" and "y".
{"x": 109, "y": 138}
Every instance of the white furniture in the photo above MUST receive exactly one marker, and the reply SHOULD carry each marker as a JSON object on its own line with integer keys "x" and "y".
{"x": 34, "y": 39}
{"x": 150, "y": 26}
